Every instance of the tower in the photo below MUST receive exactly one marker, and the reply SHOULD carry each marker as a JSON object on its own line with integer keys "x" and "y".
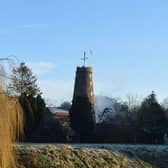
{"x": 82, "y": 113}
{"x": 84, "y": 84}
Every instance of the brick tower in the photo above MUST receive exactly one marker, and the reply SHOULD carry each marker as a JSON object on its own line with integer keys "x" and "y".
{"x": 84, "y": 84}
{"x": 82, "y": 113}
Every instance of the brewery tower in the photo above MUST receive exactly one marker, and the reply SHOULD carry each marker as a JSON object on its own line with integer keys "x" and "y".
{"x": 83, "y": 110}
{"x": 84, "y": 84}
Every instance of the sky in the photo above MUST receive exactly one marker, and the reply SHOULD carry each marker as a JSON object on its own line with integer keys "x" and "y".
{"x": 129, "y": 40}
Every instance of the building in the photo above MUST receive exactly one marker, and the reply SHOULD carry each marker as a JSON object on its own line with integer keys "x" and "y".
{"x": 61, "y": 115}
{"x": 84, "y": 84}
{"x": 83, "y": 110}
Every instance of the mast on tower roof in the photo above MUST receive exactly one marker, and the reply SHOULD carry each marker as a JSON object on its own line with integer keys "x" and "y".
{"x": 84, "y": 59}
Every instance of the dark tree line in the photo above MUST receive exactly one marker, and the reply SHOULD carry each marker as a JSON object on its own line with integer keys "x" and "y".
{"x": 23, "y": 85}
{"x": 149, "y": 116}
{"x": 34, "y": 109}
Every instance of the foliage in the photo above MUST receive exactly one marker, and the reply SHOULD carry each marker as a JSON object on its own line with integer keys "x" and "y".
{"x": 106, "y": 116}
{"x": 65, "y": 106}
{"x": 11, "y": 124}
{"x": 23, "y": 82}
{"x": 116, "y": 113}
{"x": 91, "y": 156}
{"x": 34, "y": 109}
{"x": 119, "y": 113}
{"x": 82, "y": 116}
{"x": 151, "y": 115}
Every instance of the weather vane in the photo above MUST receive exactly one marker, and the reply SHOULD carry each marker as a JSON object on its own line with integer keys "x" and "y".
{"x": 84, "y": 58}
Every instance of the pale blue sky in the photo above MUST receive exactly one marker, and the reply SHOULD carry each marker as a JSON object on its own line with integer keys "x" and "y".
{"x": 129, "y": 39}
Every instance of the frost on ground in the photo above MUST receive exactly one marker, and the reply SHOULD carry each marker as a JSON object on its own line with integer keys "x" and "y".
{"x": 92, "y": 156}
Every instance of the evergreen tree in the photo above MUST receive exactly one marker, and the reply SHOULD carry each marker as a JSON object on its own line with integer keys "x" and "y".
{"x": 34, "y": 109}
{"x": 151, "y": 116}
{"x": 41, "y": 110}
{"x": 28, "y": 114}
{"x": 65, "y": 106}
{"x": 23, "y": 82}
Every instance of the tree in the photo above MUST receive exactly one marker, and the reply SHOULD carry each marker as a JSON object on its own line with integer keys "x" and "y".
{"x": 23, "y": 82}
{"x": 107, "y": 116}
{"x": 34, "y": 109}
{"x": 151, "y": 116}
{"x": 33, "y": 105}
{"x": 106, "y": 108}
{"x": 28, "y": 114}
{"x": 114, "y": 112}
{"x": 65, "y": 106}
{"x": 165, "y": 107}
